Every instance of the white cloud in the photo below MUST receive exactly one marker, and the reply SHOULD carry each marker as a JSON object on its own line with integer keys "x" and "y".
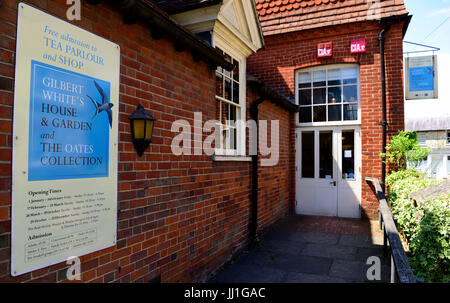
{"x": 442, "y": 11}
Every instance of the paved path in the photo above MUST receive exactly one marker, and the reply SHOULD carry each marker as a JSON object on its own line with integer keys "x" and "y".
{"x": 303, "y": 249}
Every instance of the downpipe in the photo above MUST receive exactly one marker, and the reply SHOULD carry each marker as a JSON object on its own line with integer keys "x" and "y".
{"x": 383, "y": 123}
{"x": 253, "y": 227}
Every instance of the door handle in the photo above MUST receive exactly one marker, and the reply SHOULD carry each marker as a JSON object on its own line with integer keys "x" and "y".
{"x": 333, "y": 183}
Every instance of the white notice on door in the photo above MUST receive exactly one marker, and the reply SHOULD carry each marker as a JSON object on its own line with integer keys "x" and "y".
{"x": 348, "y": 153}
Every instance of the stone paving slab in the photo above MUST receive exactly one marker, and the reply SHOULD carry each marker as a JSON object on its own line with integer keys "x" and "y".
{"x": 362, "y": 253}
{"x": 308, "y": 278}
{"x": 355, "y": 271}
{"x": 256, "y": 257}
{"x": 301, "y": 264}
{"x": 278, "y": 234}
{"x": 282, "y": 246}
{"x": 330, "y": 251}
{"x": 289, "y": 254}
{"x": 332, "y": 225}
{"x": 239, "y": 273}
{"x": 360, "y": 241}
{"x": 313, "y": 237}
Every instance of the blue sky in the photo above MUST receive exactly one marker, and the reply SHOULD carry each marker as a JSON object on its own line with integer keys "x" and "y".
{"x": 427, "y": 16}
{"x": 427, "y": 27}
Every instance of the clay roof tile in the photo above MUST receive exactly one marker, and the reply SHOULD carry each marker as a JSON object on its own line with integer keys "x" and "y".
{"x": 294, "y": 15}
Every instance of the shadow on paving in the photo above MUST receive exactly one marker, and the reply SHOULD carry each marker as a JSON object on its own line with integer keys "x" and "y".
{"x": 302, "y": 249}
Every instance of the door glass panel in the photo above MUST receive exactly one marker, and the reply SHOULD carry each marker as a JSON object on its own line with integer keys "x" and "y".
{"x": 326, "y": 154}
{"x": 348, "y": 154}
{"x": 308, "y": 155}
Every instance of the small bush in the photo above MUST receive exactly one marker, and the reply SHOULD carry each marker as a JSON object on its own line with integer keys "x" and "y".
{"x": 404, "y": 148}
{"x": 426, "y": 227}
{"x": 430, "y": 244}
{"x": 401, "y": 174}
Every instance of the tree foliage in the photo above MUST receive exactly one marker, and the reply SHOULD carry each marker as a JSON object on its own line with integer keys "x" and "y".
{"x": 402, "y": 149}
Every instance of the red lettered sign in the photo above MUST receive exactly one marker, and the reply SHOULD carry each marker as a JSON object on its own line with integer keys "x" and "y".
{"x": 324, "y": 49}
{"x": 358, "y": 46}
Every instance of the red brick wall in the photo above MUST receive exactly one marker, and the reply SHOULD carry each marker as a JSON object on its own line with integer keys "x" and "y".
{"x": 274, "y": 193}
{"x": 286, "y": 53}
{"x": 180, "y": 217}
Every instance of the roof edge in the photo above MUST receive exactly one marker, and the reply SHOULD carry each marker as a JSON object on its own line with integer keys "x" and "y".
{"x": 270, "y": 94}
{"x": 195, "y": 6}
{"x": 260, "y": 30}
{"x": 161, "y": 23}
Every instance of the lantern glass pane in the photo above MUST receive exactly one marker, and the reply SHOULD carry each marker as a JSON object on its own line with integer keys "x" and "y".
{"x": 149, "y": 129}
{"x": 138, "y": 129}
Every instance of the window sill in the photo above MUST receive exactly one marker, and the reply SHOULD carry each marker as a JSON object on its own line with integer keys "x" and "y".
{"x": 331, "y": 123}
{"x": 222, "y": 158}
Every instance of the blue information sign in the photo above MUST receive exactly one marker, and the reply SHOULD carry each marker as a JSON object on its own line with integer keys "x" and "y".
{"x": 421, "y": 79}
{"x": 70, "y": 121}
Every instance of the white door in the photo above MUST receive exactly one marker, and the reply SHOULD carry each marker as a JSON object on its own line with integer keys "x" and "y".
{"x": 328, "y": 171}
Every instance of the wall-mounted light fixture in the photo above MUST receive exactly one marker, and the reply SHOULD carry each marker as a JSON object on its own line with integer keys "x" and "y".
{"x": 141, "y": 129}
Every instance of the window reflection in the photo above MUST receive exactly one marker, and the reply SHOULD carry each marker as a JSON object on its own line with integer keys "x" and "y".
{"x": 305, "y": 114}
{"x": 350, "y": 111}
{"x": 334, "y": 113}
{"x": 320, "y": 113}
{"x": 320, "y": 95}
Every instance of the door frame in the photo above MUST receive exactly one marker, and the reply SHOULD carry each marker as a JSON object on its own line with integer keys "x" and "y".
{"x": 337, "y": 176}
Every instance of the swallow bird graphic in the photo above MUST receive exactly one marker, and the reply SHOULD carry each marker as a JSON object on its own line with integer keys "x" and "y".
{"x": 104, "y": 106}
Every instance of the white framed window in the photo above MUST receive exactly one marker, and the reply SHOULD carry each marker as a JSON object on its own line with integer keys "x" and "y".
{"x": 230, "y": 103}
{"x": 328, "y": 95}
{"x": 422, "y": 139}
{"x": 448, "y": 165}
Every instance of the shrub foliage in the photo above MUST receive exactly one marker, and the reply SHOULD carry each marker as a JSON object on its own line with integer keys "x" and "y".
{"x": 402, "y": 149}
{"x": 426, "y": 227}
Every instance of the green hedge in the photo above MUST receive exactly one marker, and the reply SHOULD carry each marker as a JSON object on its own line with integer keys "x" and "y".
{"x": 426, "y": 227}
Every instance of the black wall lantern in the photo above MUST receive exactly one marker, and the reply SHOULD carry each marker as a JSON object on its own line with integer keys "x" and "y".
{"x": 141, "y": 129}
